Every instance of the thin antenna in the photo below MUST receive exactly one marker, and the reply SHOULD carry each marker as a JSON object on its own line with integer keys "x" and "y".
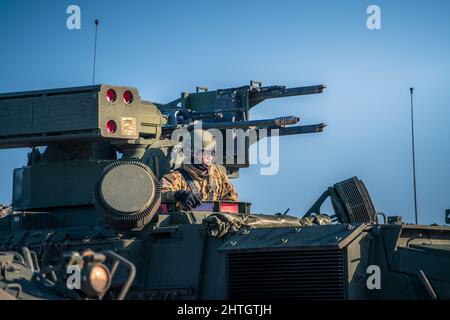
{"x": 413, "y": 155}
{"x": 95, "y": 50}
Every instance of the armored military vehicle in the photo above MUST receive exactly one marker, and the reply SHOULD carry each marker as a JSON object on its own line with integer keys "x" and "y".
{"x": 87, "y": 222}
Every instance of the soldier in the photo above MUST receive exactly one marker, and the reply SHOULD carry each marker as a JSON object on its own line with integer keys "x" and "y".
{"x": 201, "y": 180}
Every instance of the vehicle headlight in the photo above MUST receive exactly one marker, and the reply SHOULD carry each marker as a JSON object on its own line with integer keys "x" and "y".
{"x": 97, "y": 280}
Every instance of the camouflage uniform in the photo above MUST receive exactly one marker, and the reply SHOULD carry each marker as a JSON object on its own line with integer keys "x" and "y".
{"x": 213, "y": 185}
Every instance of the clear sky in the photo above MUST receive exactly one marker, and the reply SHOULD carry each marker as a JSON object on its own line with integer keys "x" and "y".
{"x": 167, "y": 47}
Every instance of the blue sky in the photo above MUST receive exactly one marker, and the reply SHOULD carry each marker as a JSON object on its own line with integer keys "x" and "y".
{"x": 164, "y": 48}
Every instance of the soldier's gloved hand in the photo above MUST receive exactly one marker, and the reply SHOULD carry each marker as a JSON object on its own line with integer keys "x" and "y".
{"x": 188, "y": 199}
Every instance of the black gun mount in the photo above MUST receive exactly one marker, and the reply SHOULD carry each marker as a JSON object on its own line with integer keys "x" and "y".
{"x": 229, "y": 108}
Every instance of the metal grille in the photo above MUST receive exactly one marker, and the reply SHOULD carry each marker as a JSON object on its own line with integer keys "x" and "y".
{"x": 286, "y": 274}
{"x": 357, "y": 200}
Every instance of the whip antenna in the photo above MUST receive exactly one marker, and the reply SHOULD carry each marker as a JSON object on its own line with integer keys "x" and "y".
{"x": 413, "y": 155}
{"x": 95, "y": 50}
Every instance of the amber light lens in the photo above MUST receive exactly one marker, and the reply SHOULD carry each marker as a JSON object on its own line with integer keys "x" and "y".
{"x": 128, "y": 97}
{"x": 111, "y": 95}
{"x": 99, "y": 278}
{"x": 111, "y": 126}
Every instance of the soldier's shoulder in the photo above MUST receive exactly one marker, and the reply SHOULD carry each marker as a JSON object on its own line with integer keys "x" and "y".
{"x": 219, "y": 171}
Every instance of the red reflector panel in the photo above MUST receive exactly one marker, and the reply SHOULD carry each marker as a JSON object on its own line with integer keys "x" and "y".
{"x": 229, "y": 207}
{"x": 128, "y": 97}
{"x": 111, "y": 126}
{"x": 111, "y": 95}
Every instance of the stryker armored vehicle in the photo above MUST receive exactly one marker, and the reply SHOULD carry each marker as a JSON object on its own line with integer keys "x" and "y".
{"x": 87, "y": 222}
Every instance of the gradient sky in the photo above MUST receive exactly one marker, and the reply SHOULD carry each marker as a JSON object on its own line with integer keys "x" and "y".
{"x": 167, "y": 47}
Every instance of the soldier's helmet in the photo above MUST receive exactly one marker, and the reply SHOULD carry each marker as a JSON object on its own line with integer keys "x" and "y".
{"x": 202, "y": 140}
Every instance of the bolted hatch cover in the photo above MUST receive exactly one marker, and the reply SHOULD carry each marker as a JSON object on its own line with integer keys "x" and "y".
{"x": 127, "y": 189}
{"x": 128, "y": 194}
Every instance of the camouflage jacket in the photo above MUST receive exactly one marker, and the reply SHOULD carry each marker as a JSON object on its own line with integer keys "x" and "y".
{"x": 213, "y": 186}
